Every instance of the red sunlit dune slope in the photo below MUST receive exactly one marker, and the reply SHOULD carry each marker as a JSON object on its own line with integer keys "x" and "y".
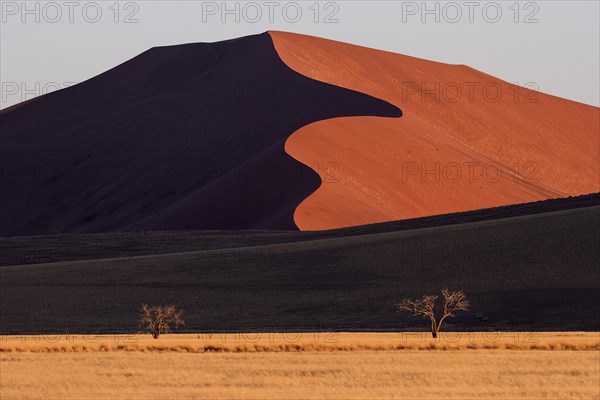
{"x": 467, "y": 140}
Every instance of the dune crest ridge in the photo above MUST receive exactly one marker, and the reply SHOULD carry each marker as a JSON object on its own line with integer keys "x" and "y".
{"x": 180, "y": 137}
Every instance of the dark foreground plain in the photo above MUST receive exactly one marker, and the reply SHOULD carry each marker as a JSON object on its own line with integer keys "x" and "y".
{"x": 531, "y": 267}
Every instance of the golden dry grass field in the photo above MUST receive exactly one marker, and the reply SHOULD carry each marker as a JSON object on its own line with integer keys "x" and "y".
{"x": 303, "y": 366}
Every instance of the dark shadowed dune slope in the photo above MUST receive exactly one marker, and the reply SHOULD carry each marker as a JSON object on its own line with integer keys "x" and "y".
{"x": 20, "y": 250}
{"x": 180, "y": 137}
{"x": 537, "y": 271}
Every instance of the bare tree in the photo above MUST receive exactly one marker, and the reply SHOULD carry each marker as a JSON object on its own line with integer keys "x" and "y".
{"x": 423, "y": 307}
{"x": 160, "y": 319}
{"x": 453, "y": 301}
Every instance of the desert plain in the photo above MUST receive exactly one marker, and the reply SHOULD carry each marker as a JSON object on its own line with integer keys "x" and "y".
{"x": 308, "y": 365}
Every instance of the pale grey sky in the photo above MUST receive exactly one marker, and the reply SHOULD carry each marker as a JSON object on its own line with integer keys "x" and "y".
{"x": 554, "y": 44}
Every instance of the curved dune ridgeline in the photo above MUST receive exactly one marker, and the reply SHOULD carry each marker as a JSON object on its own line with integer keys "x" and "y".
{"x": 466, "y": 141}
{"x": 180, "y": 137}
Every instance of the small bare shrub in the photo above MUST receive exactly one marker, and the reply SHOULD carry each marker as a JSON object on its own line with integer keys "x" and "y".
{"x": 160, "y": 319}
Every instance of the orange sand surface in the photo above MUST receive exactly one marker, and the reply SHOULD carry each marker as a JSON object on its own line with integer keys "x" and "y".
{"x": 466, "y": 141}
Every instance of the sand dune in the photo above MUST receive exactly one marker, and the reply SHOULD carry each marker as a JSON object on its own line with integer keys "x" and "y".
{"x": 284, "y": 131}
{"x": 180, "y": 137}
{"x": 467, "y": 140}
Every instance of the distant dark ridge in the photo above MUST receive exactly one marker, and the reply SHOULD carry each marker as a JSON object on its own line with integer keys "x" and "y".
{"x": 180, "y": 137}
{"x": 71, "y": 247}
